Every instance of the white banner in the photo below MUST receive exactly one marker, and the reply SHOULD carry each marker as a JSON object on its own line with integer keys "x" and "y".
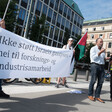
{"x": 22, "y": 58}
